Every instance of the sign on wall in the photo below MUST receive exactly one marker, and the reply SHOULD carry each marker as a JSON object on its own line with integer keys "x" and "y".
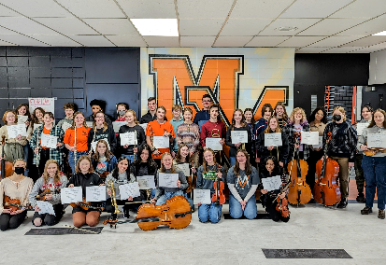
{"x": 45, "y": 103}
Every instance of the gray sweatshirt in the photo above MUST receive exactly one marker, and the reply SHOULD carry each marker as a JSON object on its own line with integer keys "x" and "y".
{"x": 122, "y": 179}
{"x": 363, "y": 138}
{"x": 40, "y": 186}
{"x": 162, "y": 190}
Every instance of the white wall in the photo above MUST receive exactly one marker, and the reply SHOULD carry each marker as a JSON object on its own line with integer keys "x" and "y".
{"x": 377, "y": 68}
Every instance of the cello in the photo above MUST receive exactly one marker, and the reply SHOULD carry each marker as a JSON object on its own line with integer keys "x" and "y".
{"x": 299, "y": 191}
{"x": 326, "y": 191}
{"x": 5, "y": 166}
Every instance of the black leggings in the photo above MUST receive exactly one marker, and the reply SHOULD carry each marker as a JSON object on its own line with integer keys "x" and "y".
{"x": 44, "y": 157}
{"x": 8, "y": 221}
{"x": 312, "y": 160}
{"x": 273, "y": 213}
{"x": 49, "y": 219}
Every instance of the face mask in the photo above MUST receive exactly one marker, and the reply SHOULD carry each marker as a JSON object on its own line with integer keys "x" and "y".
{"x": 337, "y": 117}
{"x": 19, "y": 170}
{"x": 121, "y": 112}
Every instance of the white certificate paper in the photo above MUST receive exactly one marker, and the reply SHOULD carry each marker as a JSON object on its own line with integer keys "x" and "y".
{"x": 376, "y": 140}
{"x": 144, "y": 126}
{"x": 21, "y": 119}
{"x": 239, "y": 137}
{"x": 146, "y": 182}
{"x": 361, "y": 126}
{"x": 45, "y": 207}
{"x": 310, "y": 138}
{"x": 202, "y": 196}
{"x": 93, "y": 144}
{"x": 65, "y": 126}
{"x": 213, "y": 143}
{"x": 271, "y": 183}
{"x": 320, "y": 144}
{"x": 49, "y": 141}
{"x": 89, "y": 123}
{"x": 272, "y": 139}
{"x": 128, "y": 138}
{"x": 184, "y": 168}
{"x": 117, "y": 125}
{"x": 95, "y": 194}
{"x": 129, "y": 190}
{"x": 15, "y": 130}
{"x": 69, "y": 195}
{"x": 160, "y": 142}
{"x": 168, "y": 180}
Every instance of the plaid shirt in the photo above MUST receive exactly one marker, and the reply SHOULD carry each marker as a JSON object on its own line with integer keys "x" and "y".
{"x": 56, "y": 153}
{"x": 290, "y": 131}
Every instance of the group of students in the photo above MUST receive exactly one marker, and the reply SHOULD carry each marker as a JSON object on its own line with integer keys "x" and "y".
{"x": 90, "y": 151}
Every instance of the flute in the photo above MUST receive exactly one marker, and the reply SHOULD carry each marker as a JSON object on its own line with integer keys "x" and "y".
{"x": 75, "y": 152}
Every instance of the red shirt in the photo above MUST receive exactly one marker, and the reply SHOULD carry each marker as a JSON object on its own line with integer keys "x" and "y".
{"x": 212, "y": 129}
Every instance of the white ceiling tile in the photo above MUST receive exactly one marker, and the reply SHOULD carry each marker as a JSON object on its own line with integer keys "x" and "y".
{"x": 4, "y": 43}
{"x": 214, "y": 9}
{"x": 367, "y": 41}
{"x": 314, "y": 8}
{"x": 98, "y": 41}
{"x": 339, "y": 50}
{"x": 266, "y": 41}
{"x": 67, "y": 26}
{"x": 24, "y": 25}
{"x": 299, "y": 41}
{"x": 154, "y": 41}
{"x": 310, "y": 50}
{"x": 200, "y": 26}
{"x": 362, "y": 9}
{"x": 244, "y": 26}
{"x": 37, "y": 8}
{"x": 148, "y": 9}
{"x": 373, "y": 48}
{"x": 93, "y": 8}
{"x": 112, "y": 26}
{"x": 56, "y": 40}
{"x": 334, "y": 41}
{"x": 301, "y": 24}
{"x": 232, "y": 41}
{"x": 127, "y": 40}
{"x": 332, "y": 26}
{"x": 22, "y": 40}
{"x": 197, "y": 41}
{"x": 367, "y": 28}
{"x": 259, "y": 8}
{"x": 6, "y": 12}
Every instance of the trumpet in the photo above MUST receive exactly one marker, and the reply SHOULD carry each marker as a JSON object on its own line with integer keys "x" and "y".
{"x": 113, "y": 198}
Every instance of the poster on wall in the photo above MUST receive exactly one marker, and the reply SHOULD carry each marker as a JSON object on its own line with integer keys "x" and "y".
{"x": 45, "y": 103}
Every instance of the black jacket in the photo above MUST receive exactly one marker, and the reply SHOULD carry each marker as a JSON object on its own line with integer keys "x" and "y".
{"x": 109, "y": 134}
{"x": 263, "y": 152}
{"x": 148, "y": 118}
{"x": 233, "y": 149}
{"x": 88, "y": 180}
{"x": 141, "y": 138}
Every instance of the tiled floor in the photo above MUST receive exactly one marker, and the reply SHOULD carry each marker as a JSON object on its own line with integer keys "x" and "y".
{"x": 229, "y": 242}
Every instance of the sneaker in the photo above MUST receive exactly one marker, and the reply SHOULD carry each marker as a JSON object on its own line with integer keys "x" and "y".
{"x": 366, "y": 210}
{"x": 361, "y": 198}
{"x": 381, "y": 214}
{"x": 343, "y": 203}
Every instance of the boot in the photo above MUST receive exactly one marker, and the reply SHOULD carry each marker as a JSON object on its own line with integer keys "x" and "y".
{"x": 343, "y": 203}
{"x": 361, "y": 197}
{"x": 381, "y": 214}
{"x": 366, "y": 210}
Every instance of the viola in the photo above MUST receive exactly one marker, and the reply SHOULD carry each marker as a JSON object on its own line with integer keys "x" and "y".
{"x": 5, "y": 166}
{"x": 218, "y": 196}
{"x": 299, "y": 190}
{"x": 42, "y": 196}
{"x": 86, "y": 205}
{"x": 14, "y": 204}
{"x": 326, "y": 190}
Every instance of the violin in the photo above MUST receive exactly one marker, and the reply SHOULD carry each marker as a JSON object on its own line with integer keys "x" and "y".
{"x": 14, "y": 205}
{"x": 299, "y": 190}
{"x": 326, "y": 191}
{"x": 5, "y": 166}
{"x": 42, "y": 196}
{"x": 86, "y": 205}
{"x": 218, "y": 196}
{"x": 282, "y": 204}
{"x": 374, "y": 151}
{"x": 175, "y": 213}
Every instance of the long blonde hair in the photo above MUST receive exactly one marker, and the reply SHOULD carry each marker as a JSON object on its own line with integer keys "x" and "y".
{"x": 73, "y": 120}
{"x": 303, "y": 121}
{"x": 204, "y": 163}
{"x": 268, "y": 130}
{"x": 57, "y": 174}
{"x": 134, "y": 115}
{"x": 163, "y": 169}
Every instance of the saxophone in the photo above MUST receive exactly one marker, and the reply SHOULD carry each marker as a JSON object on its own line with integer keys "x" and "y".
{"x": 113, "y": 198}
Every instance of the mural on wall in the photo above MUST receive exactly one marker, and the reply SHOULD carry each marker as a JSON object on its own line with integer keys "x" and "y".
{"x": 235, "y": 78}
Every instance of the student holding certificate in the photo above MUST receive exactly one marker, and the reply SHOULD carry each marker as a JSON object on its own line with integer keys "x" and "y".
{"x": 183, "y": 162}
{"x": 50, "y": 184}
{"x": 297, "y": 123}
{"x": 159, "y": 135}
{"x": 36, "y": 121}
{"x": 207, "y": 174}
{"x": 281, "y": 151}
{"x": 281, "y": 113}
{"x": 102, "y": 130}
{"x": 130, "y": 150}
{"x": 250, "y": 121}
{"x": 261, "y": 125}
{"x": 242, "y": 141}
{"x": 341, "y": 148}
{"x": 318, "y": 122}
{"x": 103, "y": 161}
{"x": 14, "y": 146}
{"x": 367, "y": 114}
{"x": 271, "y": 169}
{"x": 374, "y": 163}
{"x": 85, "y": 177}
{"x": 242, "y": 180}
{"x": 23, "y": 111}
{"x": 165, "y": 193}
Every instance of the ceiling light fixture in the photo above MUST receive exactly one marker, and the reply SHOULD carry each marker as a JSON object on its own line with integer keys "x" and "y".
{"x": 156, "y": 27}
{"x": 286, "y": 29}
{"x": 383, "y": 33}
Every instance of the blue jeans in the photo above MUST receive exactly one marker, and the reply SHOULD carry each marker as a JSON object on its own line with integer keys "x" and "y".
{"x": 131, "y": 158}
{"x": 237, "y": 212}
{"x": 374, "y": 169}
{"x": 71, "y": 161}
{"x": 232, "y": 160}
{"x": 209, "y": 212}
{"x": 168, "y": 195}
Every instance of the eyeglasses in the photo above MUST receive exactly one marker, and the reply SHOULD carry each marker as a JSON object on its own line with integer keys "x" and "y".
{"x": 207, "y": 101}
